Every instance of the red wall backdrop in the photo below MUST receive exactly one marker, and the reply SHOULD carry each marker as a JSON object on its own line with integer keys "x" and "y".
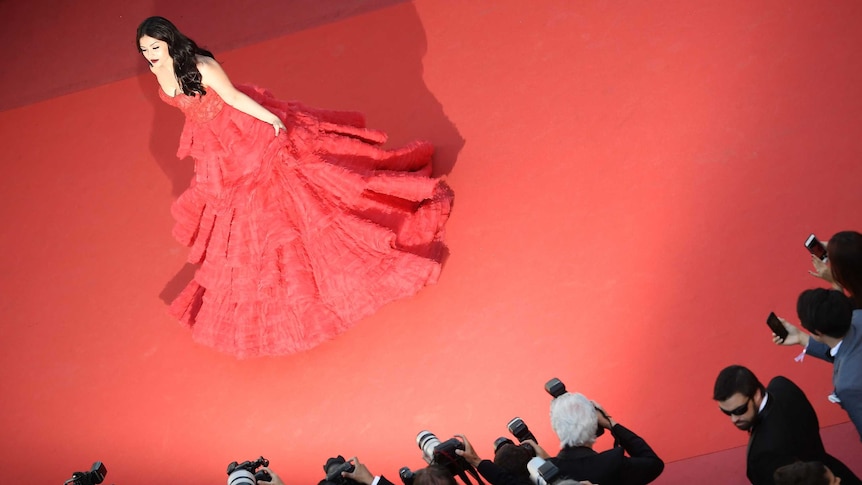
{"x": 634, "y": 182}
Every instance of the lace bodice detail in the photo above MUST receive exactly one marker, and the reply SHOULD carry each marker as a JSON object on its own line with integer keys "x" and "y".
{"x": 199, "y": 109}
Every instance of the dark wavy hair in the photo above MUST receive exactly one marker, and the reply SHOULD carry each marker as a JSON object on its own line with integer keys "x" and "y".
{"x": 845, "y": 258}
{"x": 181, "y": 49}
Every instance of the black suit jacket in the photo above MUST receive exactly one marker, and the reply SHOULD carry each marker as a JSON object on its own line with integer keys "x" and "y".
{"x": 612, "y": 467}
{"x": 786, "y": 431}
{"x": 496, "y": 475}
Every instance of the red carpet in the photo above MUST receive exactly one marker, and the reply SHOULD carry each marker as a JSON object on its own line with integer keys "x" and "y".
{"x": 634, "y": 182}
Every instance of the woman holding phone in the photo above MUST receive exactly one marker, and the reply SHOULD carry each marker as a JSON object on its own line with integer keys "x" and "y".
{"x": 843, "y": 266}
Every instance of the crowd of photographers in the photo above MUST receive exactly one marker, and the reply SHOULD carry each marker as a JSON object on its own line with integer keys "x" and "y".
{"x": 577, "y": 423}
{"x": 784, "y": 446}
{"x": 576, "y": 420}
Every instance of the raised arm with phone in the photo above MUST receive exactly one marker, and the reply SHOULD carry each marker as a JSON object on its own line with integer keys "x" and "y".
{"x": 835, "y": 335}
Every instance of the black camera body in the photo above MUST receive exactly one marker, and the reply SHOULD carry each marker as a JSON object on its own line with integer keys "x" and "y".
{"x": 443, "y": 453}
{"x": 406, "y": 475}
{"x": 246, "y": 473}
{"x": 334, "y": 467}
{"x": 95, "y": 476}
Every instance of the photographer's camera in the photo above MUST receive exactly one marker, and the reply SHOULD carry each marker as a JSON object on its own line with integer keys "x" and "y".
{"x": 94, "y": 476}
{"x": 247, "y": 473}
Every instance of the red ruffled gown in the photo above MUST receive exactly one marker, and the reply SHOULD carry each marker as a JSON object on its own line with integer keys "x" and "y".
{"x": 299, "y": 236}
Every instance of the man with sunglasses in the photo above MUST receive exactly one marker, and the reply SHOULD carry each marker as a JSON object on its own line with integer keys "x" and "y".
{"x": 781, "y": 422}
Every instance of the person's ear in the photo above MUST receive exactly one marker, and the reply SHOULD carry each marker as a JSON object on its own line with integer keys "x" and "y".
{"x": 758, "y": 396}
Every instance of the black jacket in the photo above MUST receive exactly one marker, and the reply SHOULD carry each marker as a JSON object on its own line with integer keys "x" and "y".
{"x": 787, "y": 431}
{"x": 612, "y": 467}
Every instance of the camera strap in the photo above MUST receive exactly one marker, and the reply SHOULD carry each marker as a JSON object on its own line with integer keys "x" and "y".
{"x": 472, "y": 471}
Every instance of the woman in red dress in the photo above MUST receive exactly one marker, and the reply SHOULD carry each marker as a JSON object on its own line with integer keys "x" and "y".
{"x": 301, "y": 224}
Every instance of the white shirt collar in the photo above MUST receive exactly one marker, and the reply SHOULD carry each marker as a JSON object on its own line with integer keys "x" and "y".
{"x": 763, "y": 402}
{"x": 834, "y": 350}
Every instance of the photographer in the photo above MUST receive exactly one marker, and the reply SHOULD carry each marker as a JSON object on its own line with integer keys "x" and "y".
{"x": 514, "y": 458}
{"x": 361, "y": 474}
{"x": 575, "y": 420}
{"x": 495, "y": 474}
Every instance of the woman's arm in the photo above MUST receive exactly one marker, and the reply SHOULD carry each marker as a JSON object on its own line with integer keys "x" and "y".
{"x": 214, "y": 77}
{"x": 823, "y": 271}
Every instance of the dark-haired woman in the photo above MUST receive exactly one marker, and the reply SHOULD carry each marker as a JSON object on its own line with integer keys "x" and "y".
{"x": 844, "y": 264}
{"x": 300, "y": 222}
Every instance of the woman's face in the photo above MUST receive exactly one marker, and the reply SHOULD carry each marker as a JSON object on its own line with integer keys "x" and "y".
{"x": 155, "y": 51}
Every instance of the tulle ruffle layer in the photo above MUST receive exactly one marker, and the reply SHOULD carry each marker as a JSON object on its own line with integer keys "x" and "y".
{"x": 299, "y": 236}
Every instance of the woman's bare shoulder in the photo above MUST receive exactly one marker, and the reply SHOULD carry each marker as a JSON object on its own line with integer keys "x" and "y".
{"x": 208, "y": 65}
{"x": 213, "y": 76}
{"x": 205, "y": 62}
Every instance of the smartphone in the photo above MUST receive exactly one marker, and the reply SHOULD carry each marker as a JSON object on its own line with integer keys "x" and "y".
{"x": 815, "y": 247}
{"x": 776, "y": 326}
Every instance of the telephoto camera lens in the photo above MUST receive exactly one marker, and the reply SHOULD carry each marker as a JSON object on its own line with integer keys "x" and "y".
{"x": 427, "y": 442}
{"x": 244, "y": 473}
{"x": 241, "y": 476}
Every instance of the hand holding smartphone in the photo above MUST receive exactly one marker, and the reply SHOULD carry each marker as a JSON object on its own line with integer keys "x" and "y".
{"x": 776, "y": 326}
{"x": 816, "y": 247}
